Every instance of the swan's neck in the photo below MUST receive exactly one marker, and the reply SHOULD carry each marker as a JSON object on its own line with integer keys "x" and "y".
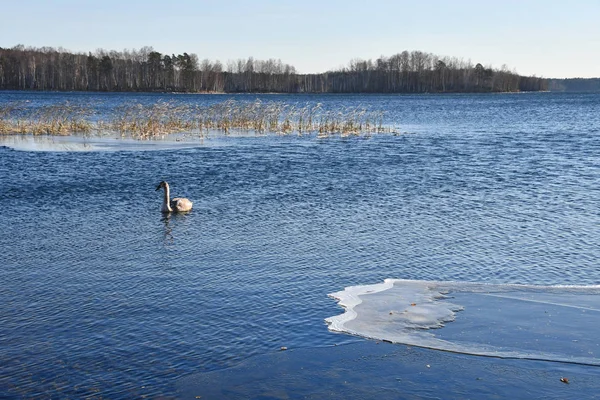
{"x": 166, "y": 207}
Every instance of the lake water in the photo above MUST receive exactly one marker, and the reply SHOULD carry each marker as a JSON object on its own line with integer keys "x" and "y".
{"x": 103, "y": 296}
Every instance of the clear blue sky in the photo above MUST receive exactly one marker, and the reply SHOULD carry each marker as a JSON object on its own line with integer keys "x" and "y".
{"x": 546, "y": 38}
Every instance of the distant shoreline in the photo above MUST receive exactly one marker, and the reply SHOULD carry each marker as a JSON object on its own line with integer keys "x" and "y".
{"x": 145, "y": 70}
{"x": 568, "y": 89}
{"x": 2, "y": 90}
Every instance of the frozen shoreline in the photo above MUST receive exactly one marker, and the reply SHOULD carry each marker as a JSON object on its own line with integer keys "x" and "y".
{"x": 552, "y": 323}
{"x": 371, "y": 369}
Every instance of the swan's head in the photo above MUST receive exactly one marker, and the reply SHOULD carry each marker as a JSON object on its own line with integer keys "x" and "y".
{"x": 161, "y": 185}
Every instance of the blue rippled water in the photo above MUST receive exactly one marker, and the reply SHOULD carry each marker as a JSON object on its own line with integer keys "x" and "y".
{"x": 103, "y": 296}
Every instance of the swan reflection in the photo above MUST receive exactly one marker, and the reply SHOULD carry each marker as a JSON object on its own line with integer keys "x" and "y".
{"x": 174, "y": 225}
{"x": 166, "y": 220}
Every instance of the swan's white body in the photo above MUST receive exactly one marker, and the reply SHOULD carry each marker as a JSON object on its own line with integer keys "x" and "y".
{"x": 177, "y": 204}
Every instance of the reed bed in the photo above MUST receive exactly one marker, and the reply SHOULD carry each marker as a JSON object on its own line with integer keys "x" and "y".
{"x": 164, "y": 118}
{"x": 57, "y": 119}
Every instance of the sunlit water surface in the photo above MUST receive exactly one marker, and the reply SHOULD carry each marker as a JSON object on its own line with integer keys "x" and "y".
{"x": 103, "y": 296}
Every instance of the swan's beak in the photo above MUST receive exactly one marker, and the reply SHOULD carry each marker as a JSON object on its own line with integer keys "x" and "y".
{"x": 158, "y": 188}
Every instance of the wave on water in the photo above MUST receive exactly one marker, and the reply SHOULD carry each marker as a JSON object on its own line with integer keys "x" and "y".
{"x": 74, "y": 143}
{"x": 552, "y": 323}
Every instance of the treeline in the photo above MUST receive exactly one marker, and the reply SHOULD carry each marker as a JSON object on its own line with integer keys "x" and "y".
{"x": 575, "y": 85}
{"x": 48, "y": 68}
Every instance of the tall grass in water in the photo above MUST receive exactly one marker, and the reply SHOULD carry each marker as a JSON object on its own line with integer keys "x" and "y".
{"x": 57, "y": 119}
{"x": 282, "y": 118}
{"x": 144, "y": 122}
{"x": 164, "y": 118}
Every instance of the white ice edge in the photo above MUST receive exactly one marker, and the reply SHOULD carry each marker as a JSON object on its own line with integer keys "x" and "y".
{"x": 349, "y": 298}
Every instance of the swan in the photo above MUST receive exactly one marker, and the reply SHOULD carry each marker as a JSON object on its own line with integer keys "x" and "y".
{"x": 178, "y": 204}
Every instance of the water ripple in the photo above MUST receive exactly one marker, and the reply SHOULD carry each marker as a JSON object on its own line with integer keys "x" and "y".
{"x": 104, "y": 296}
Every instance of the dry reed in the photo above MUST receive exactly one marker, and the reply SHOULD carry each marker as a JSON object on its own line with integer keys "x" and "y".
{"x": 164, "y": 118}
{"x": 57, "y": 119}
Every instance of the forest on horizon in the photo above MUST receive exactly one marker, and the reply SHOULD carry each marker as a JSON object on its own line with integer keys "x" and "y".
{"x": 574, "y": 85}
{"x": 146, "y": 70}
